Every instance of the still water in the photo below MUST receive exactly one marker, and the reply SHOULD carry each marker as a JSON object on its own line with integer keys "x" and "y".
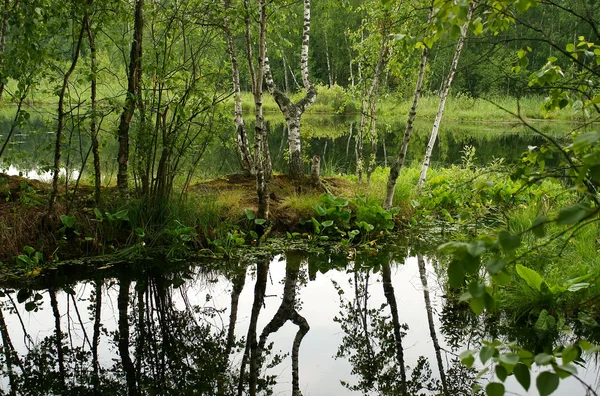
{"x": 154, "y": 331}
{"x": 332, "y": 137}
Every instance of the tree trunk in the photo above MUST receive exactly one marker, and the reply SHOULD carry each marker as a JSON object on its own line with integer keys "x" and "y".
{"x": 329, "y": 72}
{"x": 61, "y": 117}
{"x": 262, "y": 271}
{"x": 9, "y": 354}
{"x": 240, "y": 127}
{"x": 448, "y": 83}
{"x": 133, "y": 80}
{"x": 292, "y": 112}
{"x": 123, "y": 307}
{"x": 5, "y": 15}
{"x": 388, "y": 291}
{"x": 432, "y": 333}
{"x": 262, "y": 185}
{"x": 96, "y": 337}
{"x": 238, "y": 283}
{"x": 93, "y": 103}
{"x": 381, "y": 62}
{"x": 287, "y": 311}
{"x": 399, "y": 162}
{"x": 59, "y": 336}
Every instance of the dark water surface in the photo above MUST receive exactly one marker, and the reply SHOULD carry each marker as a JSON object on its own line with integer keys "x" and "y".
{"x": 166, "y": 332}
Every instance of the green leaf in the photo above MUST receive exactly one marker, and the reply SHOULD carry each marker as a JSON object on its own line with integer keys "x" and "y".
{"x": 547, "y": 383}
{"x": 249, "y": 214}
{"x": 486, "y": 353}
{"x": 574, "y": 214}
{"x": 456, "y": 274}
{"x": 477, "y": 305}
{"x": 327, "y": 223}
{"x": 495, "y": 265}
{"x": 542, "y": 359}
{"x": 570, "y": 47}
{"x": 68, "y": 221}
{"x": 98, "y": 214}
{"x": 523, "y": 375}
{"x": 260, "y": 221}
{"x": 476, "y": 289}
{"x": 545, "y": 322}
{"x": 508, "y": 241}
{"x": 501, "y": 373}
{"x": 509, "y": 358}
{"x": 502, "y": 278}
{"x": 494, "y": 389}
{"x": 570, "y": 354}
{"x": 532, "y": 278}
{"x": 467, "y": 358}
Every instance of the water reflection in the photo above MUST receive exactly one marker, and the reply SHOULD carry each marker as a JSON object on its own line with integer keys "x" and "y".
{"x": 297, "y": 324}
{"x": 333, "y": 138}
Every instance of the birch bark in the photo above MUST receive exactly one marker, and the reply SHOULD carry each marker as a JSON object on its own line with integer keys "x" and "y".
{"x": 292, "y": 112}
{"x": 241, "y": 136}
{"x": 444, "y": 96}
{"x": 399, "y": 162}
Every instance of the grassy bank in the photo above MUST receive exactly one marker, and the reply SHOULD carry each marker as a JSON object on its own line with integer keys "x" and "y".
{"x": 459, "y": 107}
{"x": 337, "y": 100}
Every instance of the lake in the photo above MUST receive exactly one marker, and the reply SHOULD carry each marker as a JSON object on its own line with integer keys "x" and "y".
{"x": 30, "y": 150}
{"x": 161, "y": 328}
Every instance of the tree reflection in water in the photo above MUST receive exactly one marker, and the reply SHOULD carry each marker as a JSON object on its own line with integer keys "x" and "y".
{"x": 188, "y": 331}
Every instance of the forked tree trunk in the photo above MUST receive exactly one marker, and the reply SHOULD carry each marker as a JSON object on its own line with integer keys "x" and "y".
{"x": 133, "y": 80}
{"x": 240, "y": 127}
{"x": 287, "y": 311}
{"x": 432, "y": 333}
{"x": 292, "y": 112}
{"x": 446, "y": 90}
{"x": 61, "y": 117}
{"x": 399, "y": 162}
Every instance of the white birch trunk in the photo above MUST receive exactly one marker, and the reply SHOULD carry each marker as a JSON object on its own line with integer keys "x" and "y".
{"x": 444, "y": 96}
{"x": 241, "y": 137}
{"x": 293, "y": 111}
{"x": 399, "y": 163}
{"x": 259, "y": 135}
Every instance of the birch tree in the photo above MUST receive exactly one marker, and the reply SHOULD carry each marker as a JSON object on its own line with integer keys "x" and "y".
{"x": 399, "y": 162}
{"x": 242, "y": 146}
{"x": 261, "y": 149}
{"x": 292, "y": 112}
{"x": 444, "y": 95}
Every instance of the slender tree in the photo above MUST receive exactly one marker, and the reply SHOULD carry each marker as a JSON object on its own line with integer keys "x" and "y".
{"x": 292, "y": 112}
{"x": 62, "y": 115}
{"x": 133, "y": 80}
{"x": 444, "y": 95}
{"x": 399, "y": 162}
{"x": 241, "y": 136}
